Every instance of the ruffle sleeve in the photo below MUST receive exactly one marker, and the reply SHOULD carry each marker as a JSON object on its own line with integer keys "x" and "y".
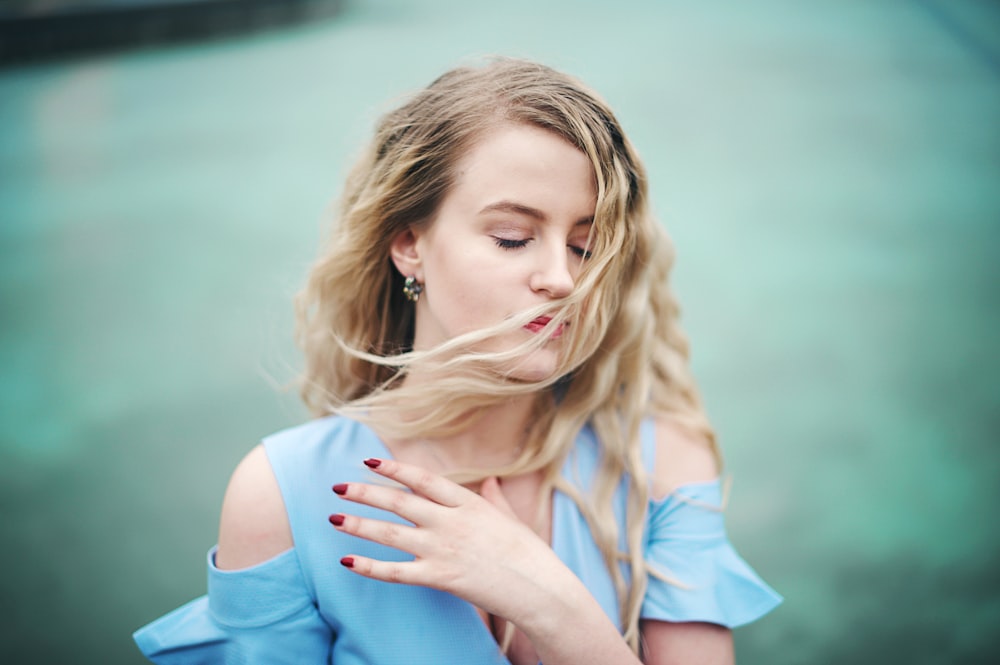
{"x": 261, "y": 614}
{"x": 708, "y": 581}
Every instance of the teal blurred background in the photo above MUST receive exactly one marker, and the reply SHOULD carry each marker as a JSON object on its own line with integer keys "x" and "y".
{"x": 830, "y": 172}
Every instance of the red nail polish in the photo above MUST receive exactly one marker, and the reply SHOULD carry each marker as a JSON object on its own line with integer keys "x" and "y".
{"x": 347, "y": 562}
{"x": 340, "y": 488}
{"x": 336, "y": 520}
{"x": 372, "y": 463}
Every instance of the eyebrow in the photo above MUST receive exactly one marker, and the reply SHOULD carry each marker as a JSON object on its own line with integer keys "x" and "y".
{"x": 528, "y": 211}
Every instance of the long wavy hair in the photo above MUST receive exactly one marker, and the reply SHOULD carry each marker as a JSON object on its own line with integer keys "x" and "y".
{"x": 628, "y": 362}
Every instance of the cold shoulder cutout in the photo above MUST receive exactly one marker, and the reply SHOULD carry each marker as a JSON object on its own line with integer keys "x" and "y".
{"x": 254, "y": 523}
{"x": 679, "y": 458}
{"x": 697, "y": 575}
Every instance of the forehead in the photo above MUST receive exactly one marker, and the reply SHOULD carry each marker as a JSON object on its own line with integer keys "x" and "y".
{"x": 526, "y": 165}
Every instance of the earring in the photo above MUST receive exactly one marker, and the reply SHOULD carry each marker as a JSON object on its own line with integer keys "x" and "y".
{"x": 412, "y": 289}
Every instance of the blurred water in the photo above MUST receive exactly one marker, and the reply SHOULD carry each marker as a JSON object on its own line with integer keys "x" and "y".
{"x": 829, "y": 172}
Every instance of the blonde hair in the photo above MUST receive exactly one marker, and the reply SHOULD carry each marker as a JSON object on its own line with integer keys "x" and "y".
{"x": 629, "y": 361}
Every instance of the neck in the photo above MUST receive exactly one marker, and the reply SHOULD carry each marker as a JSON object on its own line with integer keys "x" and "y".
{"x": 493, "y": 438}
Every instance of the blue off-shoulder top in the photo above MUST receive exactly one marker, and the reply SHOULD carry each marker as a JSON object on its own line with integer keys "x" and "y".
{"x": 303, "y": 607}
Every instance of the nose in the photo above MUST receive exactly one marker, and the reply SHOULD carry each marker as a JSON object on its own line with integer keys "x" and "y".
{"x": 553, "y": 276}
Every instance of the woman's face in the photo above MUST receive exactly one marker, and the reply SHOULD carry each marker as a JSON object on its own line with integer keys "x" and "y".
{"x": 510, "y": 235}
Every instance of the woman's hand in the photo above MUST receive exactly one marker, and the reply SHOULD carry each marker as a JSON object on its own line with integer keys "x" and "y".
{"x": 473, "y": 546}
{"x": 470, "y": 545}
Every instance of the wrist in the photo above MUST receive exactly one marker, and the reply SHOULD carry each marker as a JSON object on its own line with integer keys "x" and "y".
{"x": 551, "y": 598}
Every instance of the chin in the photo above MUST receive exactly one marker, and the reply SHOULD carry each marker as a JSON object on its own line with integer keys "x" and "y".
{"x": 537, "y": 366}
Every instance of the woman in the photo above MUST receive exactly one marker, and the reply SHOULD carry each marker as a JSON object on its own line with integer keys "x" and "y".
{"x": 521, "y": 469}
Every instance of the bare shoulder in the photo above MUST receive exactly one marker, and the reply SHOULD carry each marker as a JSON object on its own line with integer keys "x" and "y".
{"x": 682, "y": 457}
{"x": 254, "y": 525}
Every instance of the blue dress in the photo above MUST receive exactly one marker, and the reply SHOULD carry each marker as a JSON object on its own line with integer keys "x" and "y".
{"x": 303, "y": 607}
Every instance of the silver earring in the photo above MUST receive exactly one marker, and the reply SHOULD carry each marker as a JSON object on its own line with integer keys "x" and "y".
{"x": 412, "y": 289}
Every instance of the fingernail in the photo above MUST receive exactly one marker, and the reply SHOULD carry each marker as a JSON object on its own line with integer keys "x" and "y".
{"x": 372, "y": 463}
{"x": 336, "y": 520}
{"x": 347, "y": 562}
{"x": 340, "y": 488}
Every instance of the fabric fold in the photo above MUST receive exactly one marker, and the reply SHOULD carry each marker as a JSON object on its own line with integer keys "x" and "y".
{"x": 706, "y": 580}
{"x": 261, "y": 614}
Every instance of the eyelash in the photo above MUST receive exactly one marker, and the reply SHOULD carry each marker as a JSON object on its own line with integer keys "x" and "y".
{"x": 508, "y": 243}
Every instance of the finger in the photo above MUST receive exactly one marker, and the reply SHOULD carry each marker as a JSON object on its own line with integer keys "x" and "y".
{"x": 490, "y": 490}
{"x": 410, "y": 507}
{"x": 397, "y": 536}
{"x": 396, "y": 572}
{"x": 424, "y": 483}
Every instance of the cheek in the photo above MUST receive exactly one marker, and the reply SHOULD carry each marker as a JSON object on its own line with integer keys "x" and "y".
{"x": 458, "y": 289}
{"x": 478, "y": 301}
{"x": 471, "y": 284}
{"x": 475, "y": 299}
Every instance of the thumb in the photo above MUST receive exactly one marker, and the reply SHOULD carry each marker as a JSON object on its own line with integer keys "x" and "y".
{"x": 490, "y": 490}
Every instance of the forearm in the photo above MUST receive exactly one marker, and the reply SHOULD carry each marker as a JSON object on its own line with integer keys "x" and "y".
{"x": 566, "y": 625}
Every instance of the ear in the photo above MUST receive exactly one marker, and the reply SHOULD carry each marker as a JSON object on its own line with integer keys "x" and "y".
{"x": 405, "y": 254}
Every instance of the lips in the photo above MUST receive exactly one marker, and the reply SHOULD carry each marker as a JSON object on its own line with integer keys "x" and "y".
{"x": 538, "y": 324}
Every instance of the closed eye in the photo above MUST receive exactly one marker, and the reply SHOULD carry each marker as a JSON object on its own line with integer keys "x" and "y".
{"x": 508, "y": 243}
{"x": 580, "y": 251}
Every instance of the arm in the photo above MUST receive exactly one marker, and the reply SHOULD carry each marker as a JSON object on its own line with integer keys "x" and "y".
{"x": 666, "y": 643}
{"x": 682, "y": 458}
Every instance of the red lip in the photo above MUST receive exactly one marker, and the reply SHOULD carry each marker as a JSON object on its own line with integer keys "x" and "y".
{"x": 538, "y": 324}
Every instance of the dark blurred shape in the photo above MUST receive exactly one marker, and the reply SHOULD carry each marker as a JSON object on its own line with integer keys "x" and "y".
{"x": 32, "y": 30}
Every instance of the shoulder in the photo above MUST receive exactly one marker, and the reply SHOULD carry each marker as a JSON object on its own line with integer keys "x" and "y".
{"x": 681, "y": 457}
{"x": 254, "y": 526}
